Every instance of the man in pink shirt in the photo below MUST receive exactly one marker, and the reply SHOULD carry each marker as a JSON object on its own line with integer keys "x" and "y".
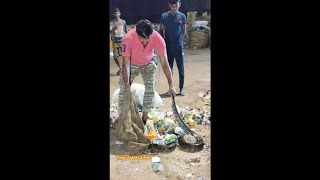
{"x": 138, "y": 47}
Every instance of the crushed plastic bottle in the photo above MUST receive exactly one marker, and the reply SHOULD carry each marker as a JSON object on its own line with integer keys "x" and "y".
{"x": 116, "y": 143}
{"x": 157, "y": 167}
{"x": 201, "y": 94}
{"x": 170, "y": 131}
{"x": 179, "y": 131}
{"x": 154, "y": 117}
{"x": 149, "y": 128}
{"x": 170, "y": 138}
{"x": 192, "y": 123}
{"x": 169, "y": 114}
{"x": 160, "y": 125}
{"x": 187, "y": 116}
{"x": 183, "y": 112}
{"x": 169, "y": 123}
{"x": 155, "y": 159}
{"x": 200, "y": 121}
{"x": 160, "y": 142}
{"x": 196, "y": 159}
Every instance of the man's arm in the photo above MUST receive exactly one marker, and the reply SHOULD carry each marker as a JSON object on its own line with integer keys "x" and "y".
{"x": 167, "y": 71}
{"x": 125, "y": 26}
{"x": 126, "y": 72}
{"x": 162, "y": 30}
{"x": 114, "y": 27}
{"x": 183, "y": 30}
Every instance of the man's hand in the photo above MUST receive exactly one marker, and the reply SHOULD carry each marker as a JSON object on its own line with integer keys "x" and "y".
{"x": 128, "y": 88}
{"x": 172, "y": 91}
{"x": 115, "y": 26}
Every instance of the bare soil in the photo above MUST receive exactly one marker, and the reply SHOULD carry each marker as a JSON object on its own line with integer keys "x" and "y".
{"x": 197, "y": 79}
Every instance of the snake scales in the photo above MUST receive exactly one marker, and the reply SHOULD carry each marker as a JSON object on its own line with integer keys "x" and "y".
{"x": 183, "y": 145}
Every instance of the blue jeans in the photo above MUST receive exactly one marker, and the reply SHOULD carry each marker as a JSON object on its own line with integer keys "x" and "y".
{"x": 175, "y": 51}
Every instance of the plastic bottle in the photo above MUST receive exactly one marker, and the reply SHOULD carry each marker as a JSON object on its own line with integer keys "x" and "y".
{"x": 191, "y": 123}
{"x": 179, "y": 131}
{"x": 160, "y": 142}
{"x": 200, "y": 121}
{"x": 193, "y": 159}
{"x": 157, "y": 167}
{"x": 154, "y": 117}
{"x": 170, "y": 138}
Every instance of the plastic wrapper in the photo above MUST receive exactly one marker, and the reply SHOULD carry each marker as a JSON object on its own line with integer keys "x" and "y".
{"x": 179, "y": 131}
{"x": 150, "y": 131}
{"x": 171, "y": 138}
{"x": 137, "y": 91}
{"x": 169, "y": 123}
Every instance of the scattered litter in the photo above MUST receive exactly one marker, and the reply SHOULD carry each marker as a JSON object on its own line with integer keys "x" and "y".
{"x": 170, "y": 138}
{"x": 188, "y": 175}
{"x": 201, "y": 94}
{"x": 157, "y": 167}
{"x": 192, "y": 159}
{"x": 190, "y": 139}
{"x": 160, "y": 142}
{"x": 137, "y": 91}
{"x": 169, "y": 123}
{"x": 179, "y": 131}
{"x": 201, "y": 28}
{"x": 191, "y": 123}
{"x": 155, "y": 159}
{"x": 116, "y": 143}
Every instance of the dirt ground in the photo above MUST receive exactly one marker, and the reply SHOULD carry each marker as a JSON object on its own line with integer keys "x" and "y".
{"x": 197, "y": 79}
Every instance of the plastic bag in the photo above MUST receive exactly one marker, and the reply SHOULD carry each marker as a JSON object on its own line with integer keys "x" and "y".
{"x": 137, "y": 91}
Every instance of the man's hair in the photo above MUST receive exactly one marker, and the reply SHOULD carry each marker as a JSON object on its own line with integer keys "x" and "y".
{"x": 116, "y": 10}
{"x": 144, "y": 28}
{"x": 174, "y": 1}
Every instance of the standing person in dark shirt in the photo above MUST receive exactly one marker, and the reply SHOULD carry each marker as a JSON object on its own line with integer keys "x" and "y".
{"x": 173, "y": 29}
{"x": 118, "y": 29}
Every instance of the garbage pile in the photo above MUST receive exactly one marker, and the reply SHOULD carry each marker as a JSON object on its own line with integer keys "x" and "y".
{"x": 161, "y": 127}
{"x": 201, "y": 28}
{"x": 199, "y": 36}
{"x": 206, "y": 97}
{"x": 199, "y": 31}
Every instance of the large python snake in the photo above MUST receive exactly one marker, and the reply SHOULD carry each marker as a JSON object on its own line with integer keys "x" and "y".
{"x": 183, "y": 145}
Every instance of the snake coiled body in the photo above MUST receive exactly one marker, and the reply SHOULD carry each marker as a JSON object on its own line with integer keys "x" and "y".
{"x": 183, "y": 145}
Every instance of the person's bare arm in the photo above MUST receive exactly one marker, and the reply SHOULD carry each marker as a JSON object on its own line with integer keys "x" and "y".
{"x": 167, "y": 71}
{"x": 183, "y": 30}
{"x": 162, "y": 29}
{"x": 125, "y": 27}
{"x": 126, "y": 72}
{"x": 115, "y": 27}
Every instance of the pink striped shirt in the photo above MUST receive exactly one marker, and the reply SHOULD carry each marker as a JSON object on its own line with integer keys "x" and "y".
{"x": 141, "y": 55}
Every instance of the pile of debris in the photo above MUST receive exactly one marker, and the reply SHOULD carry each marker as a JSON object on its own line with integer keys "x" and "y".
{"x": 199, "y": 31}
{"x": 161, "y": 127}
